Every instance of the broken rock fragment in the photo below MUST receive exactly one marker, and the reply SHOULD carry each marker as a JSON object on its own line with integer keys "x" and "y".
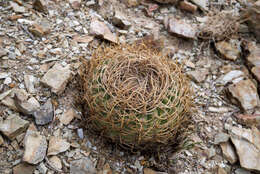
{"x": 13, "y": 126}
{"x": 181, "y": 28}
{"x": 75, "y": 4}
{"x": 17, "y": 8}
{"x": 29, "y": 81}
{"x": 55, "y": 162}
{"x": 82, "y": 166}
{"x": 198, "y": 75}
{"x": 100, "y": 29}
{"x": 35, "y": 146}
{"x": 44, "y": 114}
{"x": 167, "y": 1}
{"x": 27, "y": 106}
{"x": 247, "y": 144}
{"x": 229, "y": 152}
{"x": 57, "y": 78}
{"x": 245, "y": 92}
{"x": 57, "y": 145}
{"x": 120, "y": 20}
{"x": 40, "y": 5}
{"x": 23, "y": 168}
{"x": 256, "y": 71}
{"x": 229, "y": 50}
{"x": 68, "y": 116}
{"x": 185, "y": 5}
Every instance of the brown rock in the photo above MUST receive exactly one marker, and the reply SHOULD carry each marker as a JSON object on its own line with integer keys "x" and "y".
{"x": 1, "y": 140}
{"x": 184, "y": 5}
{"x": 230, "y": 50}
{"x": 40, "y": 5}
{"x": 13, "y": 126}
{"x": 256, "y": 71}
{"x": 24, "y": 168}
{"x": 250, "y": 120}
{"x": 57, "y": 145}
{"x": 120, "y": 20}
{"x": 149, "y": 171}
{"x": 35, "y": 146}
{"x": 83, "y": 39}
{"x": 202, "y": 4}
{"x": 229, "y": 152}
{"x": 198, "y": 75}
{"x": 131, "y": 3}
{"x": 100, "y": 29}
{"x": 245, "y": 92}
{"x": 222, "y": 171}
{"x": 181, "y": 28}
{"x": 38, "y": 30}
{"x": 68, "y": 116}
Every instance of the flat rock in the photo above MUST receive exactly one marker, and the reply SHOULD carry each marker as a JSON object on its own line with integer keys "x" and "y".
{"x": 23, "y": 168}
{"x": 57, "y": 78}
{"x": 221, "y": 138}
{"x": 247, "y": 144}
{"x": 167, "y": 1}
{"x": 185, "y": 5}
{"x": 256, "y": 71}
{"x": 13, "y": 126}
{"x": 68, "y": 116}
{"x": 1, "y": 140}
{"x": 27, "y": 107}
{"x": 198, "y": 75}
{"x": 17, "y": 8}
{"x": 57, "y": 145}
{"x": 75, "y": 4}
{"x": 29, "y": 81}
{"x": 82, "y": 166}
{"x": 249, "y": 120}
{"x": 245, "y": 92}
{"x": 254, "y": 56}
{"x": 202, "y": 4}
{"x": 230, "y": 50}
{"x": 229, "y": 152}
{"x": 120, "y": 20}
{"x": 242, "y": 171}
{"x": 9, "y": 102}
{"x": 253, "y": 19}
{"x": 181, "y": 28}
{"x": 44, "y": 114}
{"x": 230, "y": 76}
{"x": 35, "y": 146}
{"x": 222, "y": 170}
{"x": 55, "y": 162}
{"x": 100, "y": 29}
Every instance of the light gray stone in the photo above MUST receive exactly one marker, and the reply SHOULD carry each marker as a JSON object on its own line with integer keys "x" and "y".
{"x": 57, "y": 145}
{"x": 44, "y": 114}
{"x": 57, "y": 78}
{"x": 82, "y": 166}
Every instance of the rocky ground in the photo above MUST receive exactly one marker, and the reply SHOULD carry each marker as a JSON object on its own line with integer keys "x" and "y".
{"x": 41, "y": 44}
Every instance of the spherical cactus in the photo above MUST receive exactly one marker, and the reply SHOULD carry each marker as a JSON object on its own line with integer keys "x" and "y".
{"x": 134, "y": 95}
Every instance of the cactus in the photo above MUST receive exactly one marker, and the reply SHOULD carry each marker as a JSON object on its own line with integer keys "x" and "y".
{"x": 135, "y": 96}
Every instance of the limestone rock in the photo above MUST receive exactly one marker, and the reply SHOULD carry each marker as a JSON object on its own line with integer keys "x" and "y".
{"x": 120, "y": 20}
{"x": 13, "y": 126}
{"x": 57, "y": 78}
{"x": 221, "y": 138}
{"x": 68, "y": 116}
{"x": 29, "y": 81}
{"x": 181, "y": 28}
{"x": 44, "y": 114}
{"x": 82, "y": 166}
{"x": 35, "y": 146}
{"x": 230, "y": 76}
{"x": 167, "y": 1}
{"x": 57, "y": 145}
{"x": 229, "y": 50}
{"x": 55, "y": 162}
{"x": 198, "y": 75}
{"x": 202, "y": 4}
{"x": 246, "y": 93}
{"x": 256, "y": 71}
{"x": 254, "y": 19}
{"x": 23, "y": 168}
{"x": 100, "y": 29}
{"x": 229, "y": 152}
{"x": 17, "y": 8}
{"x": 247, "y": 144}
{"x": 27, "y": 106}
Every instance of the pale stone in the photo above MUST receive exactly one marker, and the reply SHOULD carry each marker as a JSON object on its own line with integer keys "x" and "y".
{"x": 230, "y": 76}
{"x": 13, "y": 126}
{"x": 55, "y": 162}
{"x": 82, "y": 166}
{"x": 35, "y": 146}
{"x": 28, "y": 106}
{"x": 246, "y": 93}
{"x": 57, "y": 145}
{"x": 44, "y": 114}
{"x": 29, "y": 81}
{"x": 23, "y": 168}
{"x": 229, "y": 152}
{"x": 57, "y": 78}
{"x": 67, "y": 117}
{"x": 230, "y": 50}
{"x": 198, "y": 75}
{"x": 181, "y": 28}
